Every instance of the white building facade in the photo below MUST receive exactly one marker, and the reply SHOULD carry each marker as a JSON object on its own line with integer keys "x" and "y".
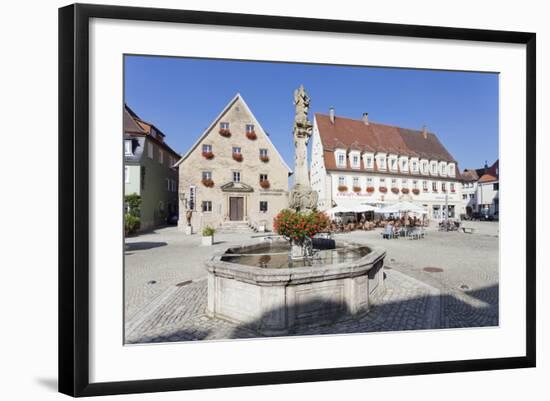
{"x": 359, "y": 162}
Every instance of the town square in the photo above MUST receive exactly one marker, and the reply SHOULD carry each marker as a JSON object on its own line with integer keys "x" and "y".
{"x": 355, "y": 226}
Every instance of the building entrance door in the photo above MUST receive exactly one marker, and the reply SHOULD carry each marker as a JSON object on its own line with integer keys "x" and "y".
{"x": 236, "y": 208}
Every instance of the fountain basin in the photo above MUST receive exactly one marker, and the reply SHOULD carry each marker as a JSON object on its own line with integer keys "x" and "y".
{"x": 252, "y": 286}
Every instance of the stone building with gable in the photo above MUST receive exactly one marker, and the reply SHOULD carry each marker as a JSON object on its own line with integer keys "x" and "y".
{"x": 232, "y": 177}
{"x": 356, "y": 161}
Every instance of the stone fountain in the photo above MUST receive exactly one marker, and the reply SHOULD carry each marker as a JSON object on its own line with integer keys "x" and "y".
{"x": 274, "y": 289}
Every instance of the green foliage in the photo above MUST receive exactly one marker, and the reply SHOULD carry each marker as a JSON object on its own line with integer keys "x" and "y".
{"x": 298, "y": 225}
{"x": 208, "y": 231}
{"x": 131, "y": 223}
{"x": 134, "y": 202}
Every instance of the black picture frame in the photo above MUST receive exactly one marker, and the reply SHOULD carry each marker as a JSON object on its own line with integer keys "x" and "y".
{"x": 74, "y": 204}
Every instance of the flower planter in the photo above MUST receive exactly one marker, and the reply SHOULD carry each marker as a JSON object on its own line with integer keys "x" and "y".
{"x": 395, "y": 190}
{"x": 207, "y": 182}
{"x": 265, "y": 184}
{"x": 342, "y": 188}
{"x": 416, "y": 191}
{"x": 370, "y": 190}
{"x": 208, "y": 155}
{"x": 251, "y": 135}
{"x": 208, "y": 240}
{"x": 405, "y": 190}
{"x": 383, "y": 189}
{"x": 238, "y": 157}
{"x": 265, "y": 159}
{"x": 225, "y": 132}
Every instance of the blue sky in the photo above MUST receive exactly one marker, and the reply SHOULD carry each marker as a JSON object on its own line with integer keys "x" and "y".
{"x": 182, "y": 96}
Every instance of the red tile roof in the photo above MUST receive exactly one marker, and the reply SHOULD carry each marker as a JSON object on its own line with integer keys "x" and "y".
{"x": 470, "y": 175}
{"x": 355, "y": 134}
{"x": 487, "y": 178}
{"x": 135, "y": 125}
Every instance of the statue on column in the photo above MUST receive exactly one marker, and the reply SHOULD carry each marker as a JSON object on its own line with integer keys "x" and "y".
{"x": 302, "y": 197}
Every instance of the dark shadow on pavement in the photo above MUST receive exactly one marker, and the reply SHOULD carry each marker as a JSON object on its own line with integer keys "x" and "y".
{"x": 140, "y": 246}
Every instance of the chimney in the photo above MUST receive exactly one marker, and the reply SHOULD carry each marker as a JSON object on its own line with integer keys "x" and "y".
{"x": 365, "y": 118}
{"x": 331, "y": 114}
{"x": 424, "y": 131}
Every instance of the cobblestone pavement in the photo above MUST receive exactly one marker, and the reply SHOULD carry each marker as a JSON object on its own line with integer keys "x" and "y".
{"x": 463, "y": 294}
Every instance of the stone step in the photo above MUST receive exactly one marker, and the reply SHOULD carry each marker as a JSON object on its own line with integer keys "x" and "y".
{"x": 235, "y": 227}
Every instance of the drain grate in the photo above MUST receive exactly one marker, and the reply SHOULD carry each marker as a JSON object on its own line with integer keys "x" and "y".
{"x": 433, "y": 269}
{"x": 184, "y": 283}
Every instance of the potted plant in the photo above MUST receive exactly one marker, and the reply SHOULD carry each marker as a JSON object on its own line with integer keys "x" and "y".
{"x": 208, "y": 182}
{"x": 265, "y": 184}
{"x": 208, "y": 235}
{"x": 405, "y": 190}
{"x": 356, "y": 189}
{"x": 238, "y": 157}
{"x": 395, "y": 190}
{"x": 264, "y": 158}
{"x": 225, "y": 132}
{"x": 416, "y": 191}
{"x": 131, "y": 224}
{"x": 370, "y": 190}
{"x": 208, "y": 155}
{"x": 251, "y": 135}
{"x": 297, "y": 226}
{"x": 383, "y": 189}
{"x": 342, "y": 188}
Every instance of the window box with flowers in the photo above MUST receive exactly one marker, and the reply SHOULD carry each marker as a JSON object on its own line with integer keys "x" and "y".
{"x": 383, "y": 189}
{"x": 251, "y": 135}
{"x": 405, "y": 190}
{"x": 208, "y": 155}
{"x": 265, "y": 184}
{"x": 342, "y": 188}
{"x": 208, "y": 182}
{"x": 416, "y": 191}
{"x": 238, "y": 157}
{"x": 370, "y": 190}
{"x": 356, "y": 189}
{"x": 395, "y": 190}
{"x": 264, "y": 158}
{"x": 225, "y": 132}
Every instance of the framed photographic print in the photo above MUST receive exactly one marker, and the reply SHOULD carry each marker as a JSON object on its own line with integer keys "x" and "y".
{"x": 251, "y": 199}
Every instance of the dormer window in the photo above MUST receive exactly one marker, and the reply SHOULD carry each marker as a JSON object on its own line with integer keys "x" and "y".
{"x": 383, "y": 163}
{"x": 414, "y": 166}
{"x": 128, "y": 147}
{"x": 355, "y": 161}
{"x": 393, "y": 164}
{"x": 368, "y": 162}
{"x": 341, "y": 160}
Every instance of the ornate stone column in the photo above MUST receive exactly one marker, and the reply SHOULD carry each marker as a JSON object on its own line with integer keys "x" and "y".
{"x": 302, "y": 197}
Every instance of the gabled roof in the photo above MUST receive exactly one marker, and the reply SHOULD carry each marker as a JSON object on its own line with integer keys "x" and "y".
{"x": 135, "y": 125}
{"x": 217, "y": 120}
{"x": 482, "y": 175}
{"x": 380, "y": 138}
{"x": 470, "y": 175}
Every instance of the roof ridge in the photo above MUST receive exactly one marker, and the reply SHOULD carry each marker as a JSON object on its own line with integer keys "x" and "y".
{"x": 375, "y": 123}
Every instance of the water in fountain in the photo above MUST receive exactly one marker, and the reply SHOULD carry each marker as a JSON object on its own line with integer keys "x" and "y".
{"x": 276, "y": 255}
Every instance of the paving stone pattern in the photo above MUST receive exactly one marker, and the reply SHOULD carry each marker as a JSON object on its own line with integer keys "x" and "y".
{"x": 464, "y": 294}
